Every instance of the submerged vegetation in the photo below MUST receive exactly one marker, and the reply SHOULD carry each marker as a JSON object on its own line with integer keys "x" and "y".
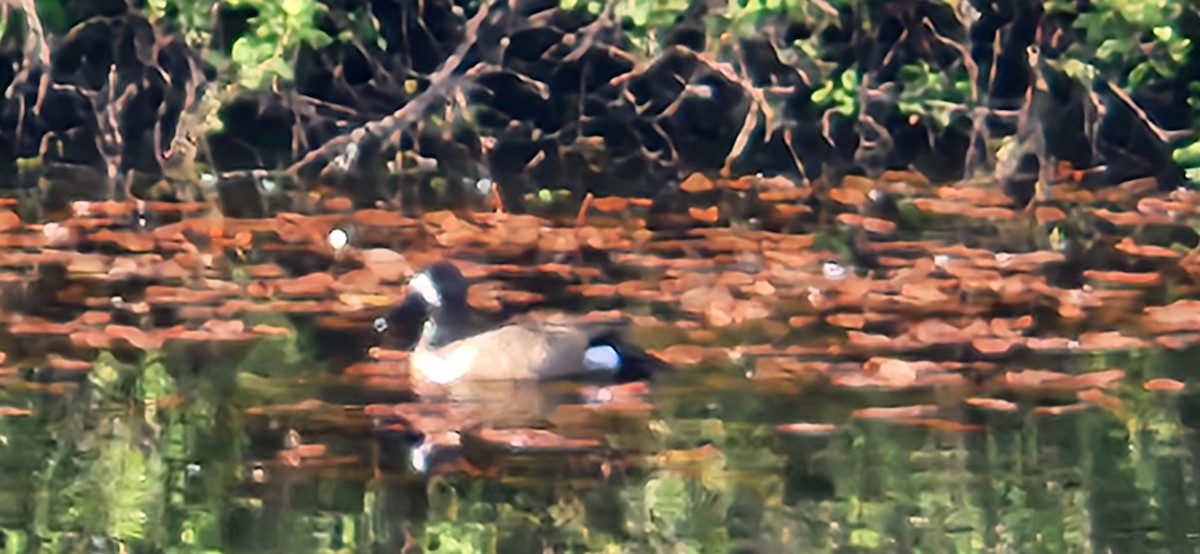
{"x": 926, "y": 271}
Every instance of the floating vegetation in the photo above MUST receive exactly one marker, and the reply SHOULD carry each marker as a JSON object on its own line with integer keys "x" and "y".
{"x": 950, "y": 323}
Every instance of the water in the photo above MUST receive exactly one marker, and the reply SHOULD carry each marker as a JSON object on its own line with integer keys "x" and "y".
{"x": 707, "y": 471}
{"x": 211, "y": 386}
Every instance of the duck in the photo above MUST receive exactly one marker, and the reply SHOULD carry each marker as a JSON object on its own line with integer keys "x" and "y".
{"x": 452, "y": 348}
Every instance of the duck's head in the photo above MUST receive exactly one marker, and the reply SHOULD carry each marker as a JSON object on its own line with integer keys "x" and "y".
{"x": 440, "y": 286}
{"x": 437, "y": 298}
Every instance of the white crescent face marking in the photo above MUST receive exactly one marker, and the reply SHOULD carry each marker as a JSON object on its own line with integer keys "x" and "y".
{"x": 421, "y": 284}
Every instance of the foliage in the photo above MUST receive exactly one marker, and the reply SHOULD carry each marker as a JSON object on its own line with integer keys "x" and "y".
{"x": 926, "y": 91}
{"x": 845, "y": 51}
{"x": 191, "y": 18}
{"x": 840, "y": 93}
{"x": 1136, "y": 43}
{"x": 1109, "y": 26}
{"x": 263, "y": 54}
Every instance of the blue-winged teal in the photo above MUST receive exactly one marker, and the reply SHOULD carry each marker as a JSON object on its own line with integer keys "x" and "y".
{"x": 452, "y": 349}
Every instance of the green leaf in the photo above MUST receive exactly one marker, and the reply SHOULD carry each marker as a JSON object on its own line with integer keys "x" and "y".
{"x": 640, "y": 14}
{"x": 1083, "y": 20}
{"x": 1179, "y": 49}
{"x": 1139, "y": 74}
{"x": 251, "y": 78}
{"x": 912, "y": 74}
{"x": 822, "y": 94}
{"x": 1161, "y": 67}
{"x": 243, "y": 52}
{"x": 316, "y": 38}
{"x": 962, "y": 87}
{"x": 280, "y": 68}
{"x": 865, "y": 538}
{"x": 1188, "y": 156}
{"x": 1109, "y": 49}
{"x": 1079, "y": 70}
{"x": 849, "y": 80}
{"x": 294, "y": 7}
{"x": 157, "y": 7}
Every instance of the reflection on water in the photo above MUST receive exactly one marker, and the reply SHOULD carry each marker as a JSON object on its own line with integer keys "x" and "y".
{"x": 210, "y": 385}
{"x": 710, "y": 469}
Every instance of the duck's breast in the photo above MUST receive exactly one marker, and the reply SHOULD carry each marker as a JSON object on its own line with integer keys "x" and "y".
{"x": 445, "y": 365}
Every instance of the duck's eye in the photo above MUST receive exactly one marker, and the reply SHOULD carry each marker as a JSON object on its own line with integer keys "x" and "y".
{"x": 380, "y": 324}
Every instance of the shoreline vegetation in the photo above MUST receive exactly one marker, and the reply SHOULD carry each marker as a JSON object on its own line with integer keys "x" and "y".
{"x": 374, "y": 99}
